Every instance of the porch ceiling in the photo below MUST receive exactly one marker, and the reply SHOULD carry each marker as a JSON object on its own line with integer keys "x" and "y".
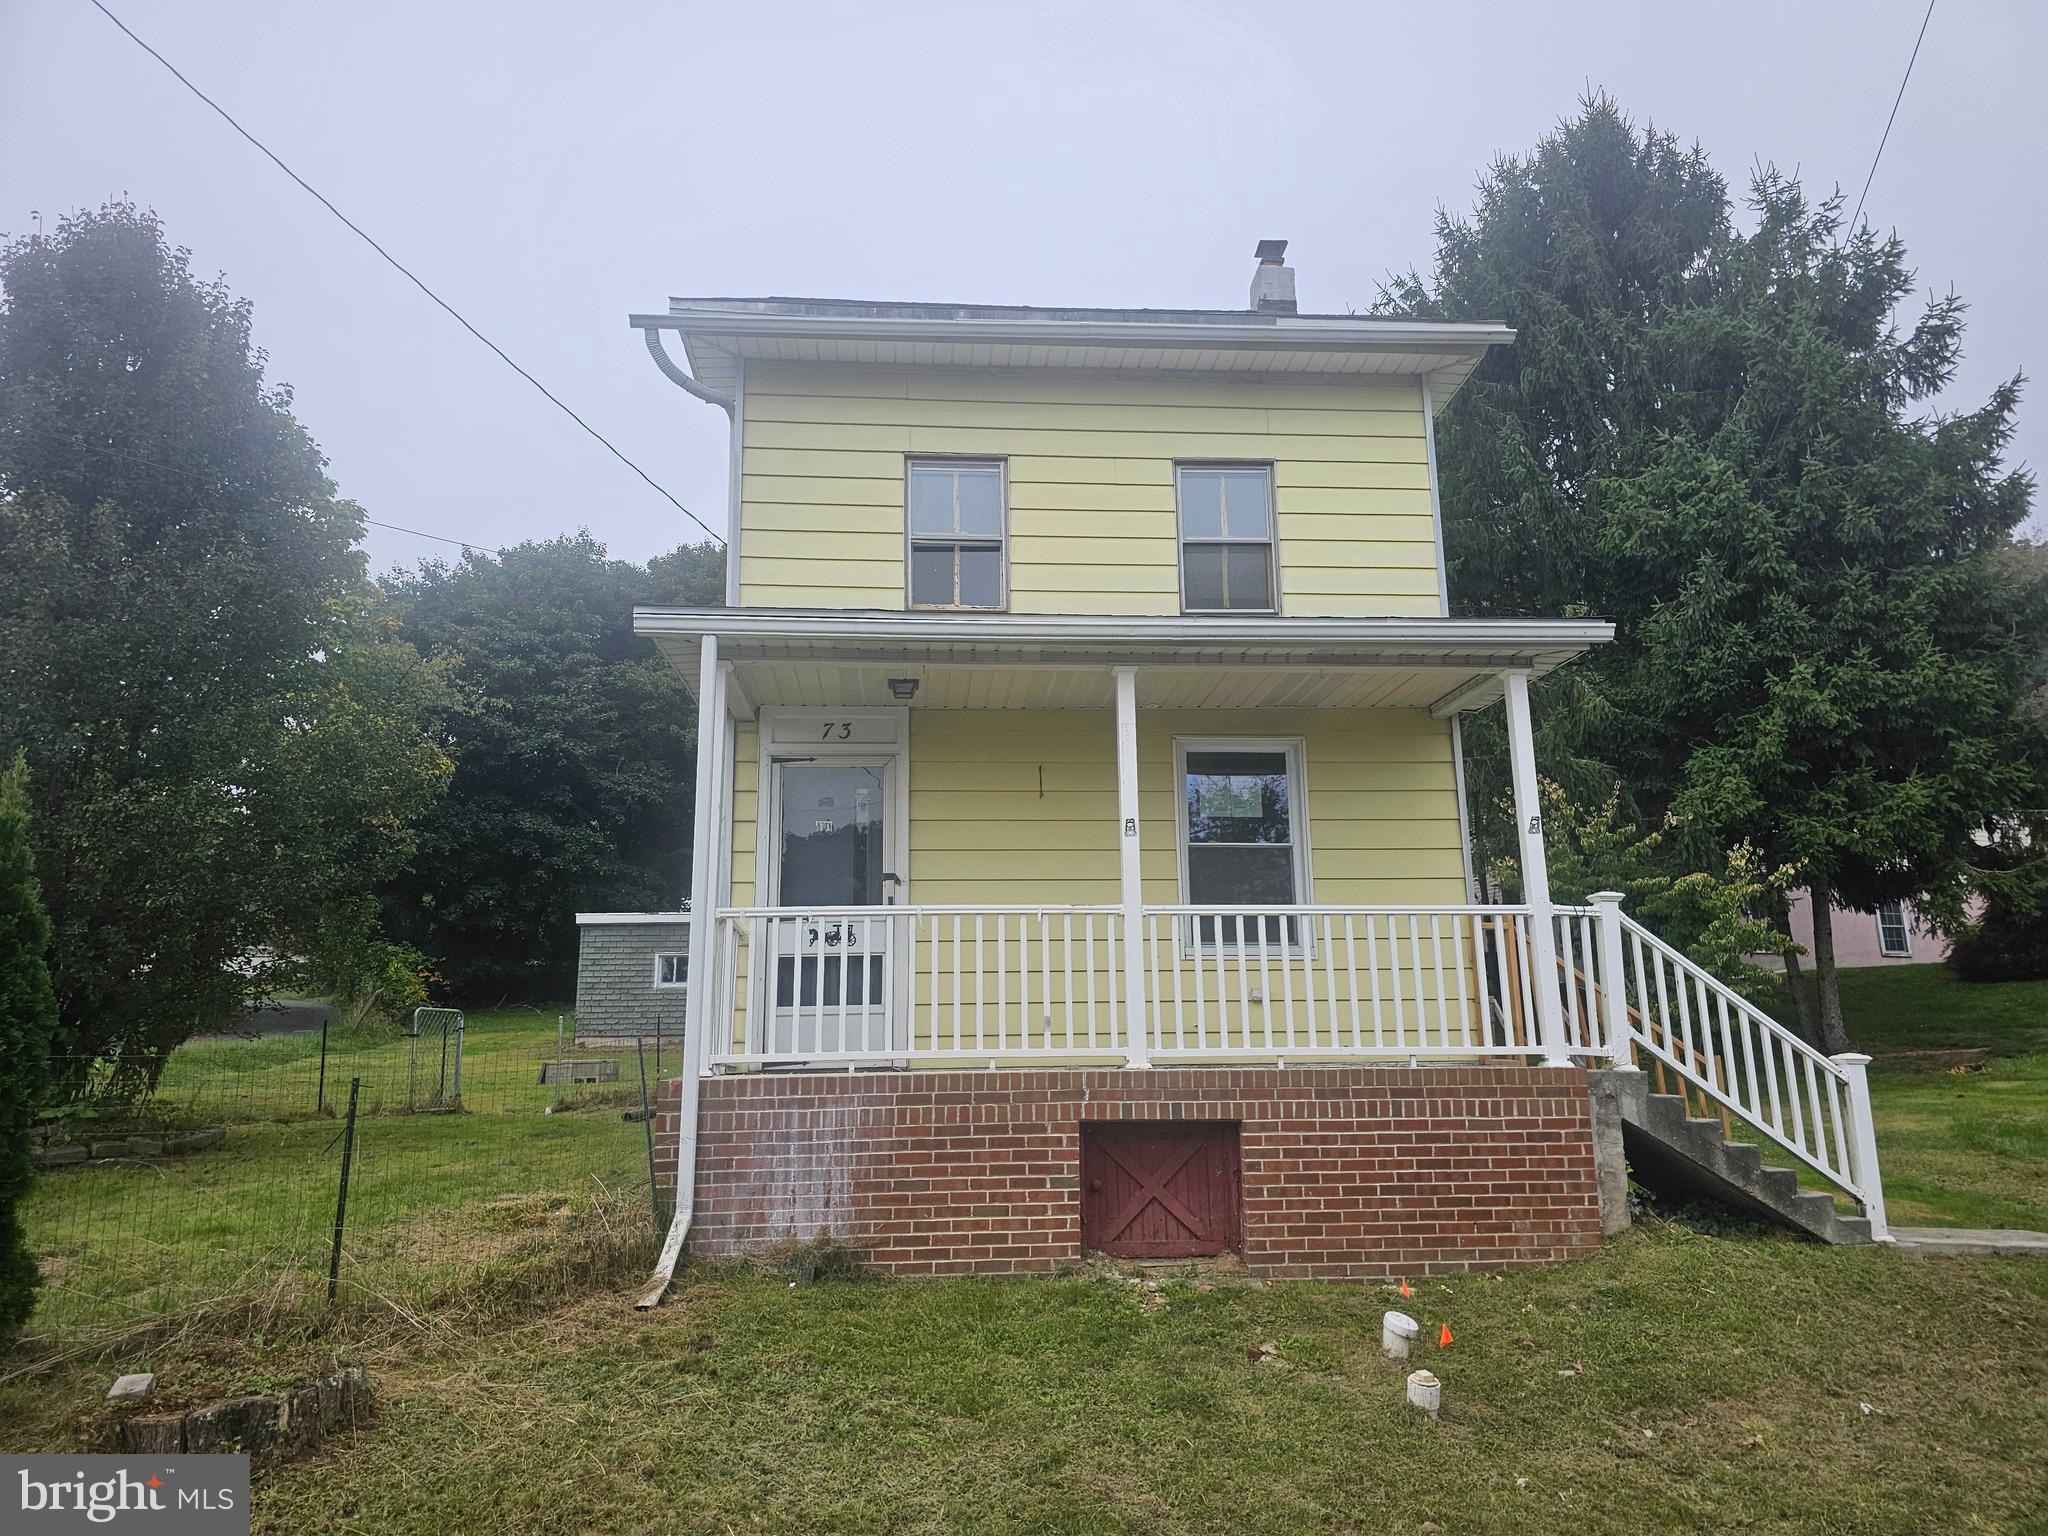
{"x": 1019, "y": 661}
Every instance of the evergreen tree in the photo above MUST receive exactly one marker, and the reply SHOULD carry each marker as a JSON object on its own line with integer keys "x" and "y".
{"x": 1823, "y": 639}
{"x": 28, "y": 1014}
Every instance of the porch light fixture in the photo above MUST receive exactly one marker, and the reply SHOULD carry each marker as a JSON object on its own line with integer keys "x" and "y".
{"x": 904, "y": 689}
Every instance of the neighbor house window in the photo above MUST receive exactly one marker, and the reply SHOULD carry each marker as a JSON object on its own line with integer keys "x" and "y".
{"x": 1242, "y": 835}
{"x": 1894, "y": 939}
{"x": 671, "y": 970}
{"x": 1226, "y": 538}
{"x": 956, "y": 533}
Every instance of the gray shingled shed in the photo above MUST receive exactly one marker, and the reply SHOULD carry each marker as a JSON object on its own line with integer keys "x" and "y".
{"x": 631, "y": 974}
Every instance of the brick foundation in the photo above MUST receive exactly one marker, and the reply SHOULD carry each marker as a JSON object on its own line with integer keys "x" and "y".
{"x": 1348, "y": 1172}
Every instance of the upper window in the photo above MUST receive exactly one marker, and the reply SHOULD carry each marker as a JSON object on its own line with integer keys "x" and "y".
{"x": 1241, "y": 812}
{"x": 1894, "y": 938}
{"x": 672, "y": 970}
{"x": 956, "y": 533}
{"x": 1226, "y": 538}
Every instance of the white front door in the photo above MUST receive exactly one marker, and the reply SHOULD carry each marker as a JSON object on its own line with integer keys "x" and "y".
{"x": 831, "y": 974}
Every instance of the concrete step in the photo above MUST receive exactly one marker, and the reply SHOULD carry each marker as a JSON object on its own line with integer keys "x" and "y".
{"x": 1669, "y": 1149}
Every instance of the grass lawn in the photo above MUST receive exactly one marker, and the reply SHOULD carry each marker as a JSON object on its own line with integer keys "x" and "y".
{"x": 1676, "y": 1380}
{"x": 1672, "y": 1382}
{"x": 436, "y": 1201}
{"x": 1960, "y": 1144}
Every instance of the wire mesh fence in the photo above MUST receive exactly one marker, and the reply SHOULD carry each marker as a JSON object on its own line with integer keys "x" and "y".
{"x": 488, "y": 1155}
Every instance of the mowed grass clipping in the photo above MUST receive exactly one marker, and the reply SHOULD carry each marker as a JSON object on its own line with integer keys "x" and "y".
{"x": 1672, "y": 1382}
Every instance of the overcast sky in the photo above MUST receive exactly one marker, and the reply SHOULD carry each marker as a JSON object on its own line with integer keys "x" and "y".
{"x": 551, "y": 168}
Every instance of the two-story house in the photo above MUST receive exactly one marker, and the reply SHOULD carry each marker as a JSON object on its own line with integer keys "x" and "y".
{"x": 1080, "y": 857}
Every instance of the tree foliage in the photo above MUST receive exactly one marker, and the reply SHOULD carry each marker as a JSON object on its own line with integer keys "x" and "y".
{"x": 222, "y": 734}
{"x": 573, "y": 744}
{"x": 28, "y": 1015}
{"x": 1710, "y": 435}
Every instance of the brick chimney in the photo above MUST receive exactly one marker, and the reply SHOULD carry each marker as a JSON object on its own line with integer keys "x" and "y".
{"x": 1272, "y": 280}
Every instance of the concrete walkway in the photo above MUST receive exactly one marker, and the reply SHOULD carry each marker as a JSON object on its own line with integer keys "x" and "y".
{"x": 1975, "y": 1242}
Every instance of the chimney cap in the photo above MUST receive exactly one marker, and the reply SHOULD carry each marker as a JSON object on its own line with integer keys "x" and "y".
{"x": 1271, "y": 251}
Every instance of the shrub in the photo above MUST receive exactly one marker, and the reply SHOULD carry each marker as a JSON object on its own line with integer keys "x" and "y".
{"x": 2007, "y": 945}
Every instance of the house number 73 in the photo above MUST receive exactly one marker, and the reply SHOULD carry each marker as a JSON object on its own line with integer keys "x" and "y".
{"x": 840, "y": 730}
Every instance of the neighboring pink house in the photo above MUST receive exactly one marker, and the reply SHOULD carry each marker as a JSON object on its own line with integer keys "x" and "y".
{"x": 1893, "y": 935}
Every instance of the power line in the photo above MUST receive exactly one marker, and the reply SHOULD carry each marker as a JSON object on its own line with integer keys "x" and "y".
{"x": 1887, "y": 122}
{"x": 408, "y": 275}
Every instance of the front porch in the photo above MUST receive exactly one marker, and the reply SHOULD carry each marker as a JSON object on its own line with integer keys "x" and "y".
{"x": 1009, "y": 879}
{"x": 929, "y": 840}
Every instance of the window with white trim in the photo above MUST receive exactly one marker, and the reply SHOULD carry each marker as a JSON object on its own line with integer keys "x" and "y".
{"x": 1894, "y": 937}
{"x": 1226, "y": 537}
{"x": 1243, "y": 834}
{"x": 956, "y": 533}
{"x": 672, "y": 970}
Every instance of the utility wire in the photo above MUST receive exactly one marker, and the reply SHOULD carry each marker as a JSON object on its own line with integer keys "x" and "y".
{"x": 407, "y": 274}
{"x": 1887, "y": 122}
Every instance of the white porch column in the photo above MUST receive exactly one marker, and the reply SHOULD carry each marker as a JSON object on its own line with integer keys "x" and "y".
{"x": 1863, "y": 1143}
{"x": 1614, "y": 982}
{"x": 1136, "y": 1021}
{"x": 1535, "y": 875}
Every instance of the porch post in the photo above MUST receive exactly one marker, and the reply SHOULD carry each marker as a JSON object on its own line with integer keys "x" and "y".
{"x": 1535, "y": 874}
{"x": 1136, "y": 1023}
{"x": 1863, "y": 1143}
{"x": 1614, "y": 981}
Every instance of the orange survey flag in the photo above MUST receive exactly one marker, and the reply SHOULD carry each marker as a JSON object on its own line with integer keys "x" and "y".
{"x": 1404, "y": 1287}
{"x": 1443, "y": 1339}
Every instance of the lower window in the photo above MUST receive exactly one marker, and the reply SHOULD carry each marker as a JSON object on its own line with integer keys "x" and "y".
{"x": 1241, "y": 809}
{"x": 672, "y": 970}
{"x": 1894, "y": 938}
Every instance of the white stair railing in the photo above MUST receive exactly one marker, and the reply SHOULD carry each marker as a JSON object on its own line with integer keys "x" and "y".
{"x": 1690, "y": 1025}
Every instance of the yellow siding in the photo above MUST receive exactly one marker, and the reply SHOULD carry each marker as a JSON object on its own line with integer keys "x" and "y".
{"x": 746, "y": 801}
{"x": 1091, "y": 493}
{"x": 1019, "y": 808}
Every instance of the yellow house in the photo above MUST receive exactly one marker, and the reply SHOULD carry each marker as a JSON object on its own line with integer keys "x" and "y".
{"x": 1084, "y": 710}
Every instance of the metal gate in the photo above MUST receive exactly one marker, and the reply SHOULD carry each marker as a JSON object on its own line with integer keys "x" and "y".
{"x": 433, "y": 1077}
{"x": 1159, "y": 1189}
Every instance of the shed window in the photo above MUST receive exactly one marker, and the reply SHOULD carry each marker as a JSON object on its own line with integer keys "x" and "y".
{"x": 956, "y": 534}
{"x": 672, "y": 970}
{"x": 1894, "y": 938}
{"x": 1241, "y": 810}
{"x": 1226, "y": 538}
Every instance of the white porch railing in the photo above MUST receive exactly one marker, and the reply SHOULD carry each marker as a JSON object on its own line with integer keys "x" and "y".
{"x": 1305, "y": 983}
{"x": 1629, "y": 995}
{"x": 994, "y": 985}
{"x": 881, "y": 985}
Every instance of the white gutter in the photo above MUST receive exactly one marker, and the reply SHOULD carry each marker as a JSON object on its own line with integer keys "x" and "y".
{"x": 675, "y": 373}
{"x": 1284, "y": 333}
{"x": 1053, "y": 628}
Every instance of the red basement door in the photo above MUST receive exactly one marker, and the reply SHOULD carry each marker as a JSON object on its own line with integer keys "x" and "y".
{"x": 1159, "y": 1189}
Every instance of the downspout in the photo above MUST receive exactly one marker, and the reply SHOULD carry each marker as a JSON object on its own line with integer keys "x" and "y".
{"x": 713, "y": 734}
{"x": 734, "y": 406}
{"x": 700, "y": 1002}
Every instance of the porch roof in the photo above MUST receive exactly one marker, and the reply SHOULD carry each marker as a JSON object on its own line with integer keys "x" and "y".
{"x": 813, "y": 657}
